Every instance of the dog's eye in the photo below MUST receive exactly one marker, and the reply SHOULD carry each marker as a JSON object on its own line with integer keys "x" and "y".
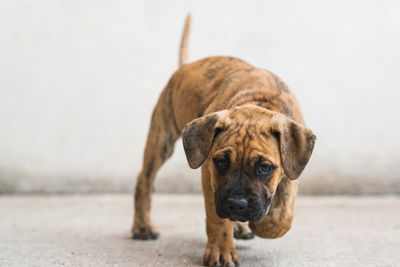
{"x": 221, "y": 163}
{"x": 264, "y": 169}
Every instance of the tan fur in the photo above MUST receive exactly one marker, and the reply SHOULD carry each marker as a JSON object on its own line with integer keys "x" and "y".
{"x": 183, "y": 54}
{"x": 259, "y": 115}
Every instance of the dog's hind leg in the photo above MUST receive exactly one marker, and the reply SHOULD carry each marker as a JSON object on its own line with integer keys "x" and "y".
{"x": 242, "y": 231}
{"x": 159, "y": 147}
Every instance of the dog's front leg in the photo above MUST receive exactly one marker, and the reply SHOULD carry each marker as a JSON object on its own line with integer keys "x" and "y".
{"x": 280, "y": 216}
{"x": 220, "y": 246}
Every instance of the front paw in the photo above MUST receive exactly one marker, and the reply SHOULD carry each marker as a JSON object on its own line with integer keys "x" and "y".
{"x": 220, "y": 254}
{"x": 144, "y": 232}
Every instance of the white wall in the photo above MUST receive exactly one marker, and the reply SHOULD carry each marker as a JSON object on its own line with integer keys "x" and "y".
{"x": 79, "y": 79}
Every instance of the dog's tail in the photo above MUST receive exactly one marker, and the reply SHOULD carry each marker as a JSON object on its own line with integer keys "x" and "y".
{"x": 183, "y": 54}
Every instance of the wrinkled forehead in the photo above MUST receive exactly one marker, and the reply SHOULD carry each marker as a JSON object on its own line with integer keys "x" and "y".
{"x": 247, "y": 122}
{"x": 249, "y": 138}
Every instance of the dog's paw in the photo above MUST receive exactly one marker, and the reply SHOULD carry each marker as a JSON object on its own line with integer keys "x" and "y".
{"x": 242, "y": 231}
{"x": 144, "y": 233}
{"x": 220, "y": 256}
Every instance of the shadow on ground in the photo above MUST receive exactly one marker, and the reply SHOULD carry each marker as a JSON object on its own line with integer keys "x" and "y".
{"x": 93, "y": 230}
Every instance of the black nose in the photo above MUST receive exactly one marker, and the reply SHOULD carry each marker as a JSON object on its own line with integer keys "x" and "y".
{"x": 237, "y": 203}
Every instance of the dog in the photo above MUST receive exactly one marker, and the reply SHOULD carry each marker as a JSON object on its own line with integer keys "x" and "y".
{"x": 244, "y": 127}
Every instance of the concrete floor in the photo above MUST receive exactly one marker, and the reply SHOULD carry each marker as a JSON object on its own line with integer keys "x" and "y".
{"x": 93, "y": 230}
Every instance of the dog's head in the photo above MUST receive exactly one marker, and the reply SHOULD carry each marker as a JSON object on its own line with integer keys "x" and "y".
{"x": 248, "y": 149}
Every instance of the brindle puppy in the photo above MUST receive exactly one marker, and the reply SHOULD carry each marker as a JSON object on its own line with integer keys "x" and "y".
{"x": 244, "y": 127}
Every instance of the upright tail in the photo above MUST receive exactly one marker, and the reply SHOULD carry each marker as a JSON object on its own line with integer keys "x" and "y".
{"x": 183, "y": 54}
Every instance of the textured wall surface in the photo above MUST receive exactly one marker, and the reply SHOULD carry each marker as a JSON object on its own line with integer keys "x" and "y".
{"x": 79, "y": 79}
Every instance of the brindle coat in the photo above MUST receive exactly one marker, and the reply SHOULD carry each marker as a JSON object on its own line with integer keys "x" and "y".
{"x": 222, "y": 104}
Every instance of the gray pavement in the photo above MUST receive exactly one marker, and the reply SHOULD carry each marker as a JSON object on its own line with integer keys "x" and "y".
{"x": 93, "y": 230}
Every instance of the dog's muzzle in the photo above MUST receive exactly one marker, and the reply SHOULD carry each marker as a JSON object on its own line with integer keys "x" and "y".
{"x": 241, "y": 208}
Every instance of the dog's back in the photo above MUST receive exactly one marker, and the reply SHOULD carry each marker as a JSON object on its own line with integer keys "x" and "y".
{"x": 219, "y": 82}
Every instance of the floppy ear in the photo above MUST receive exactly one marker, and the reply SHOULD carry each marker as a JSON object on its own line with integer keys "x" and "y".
{"x": 296, "y": 144}
{"x": 198, "y": 135}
